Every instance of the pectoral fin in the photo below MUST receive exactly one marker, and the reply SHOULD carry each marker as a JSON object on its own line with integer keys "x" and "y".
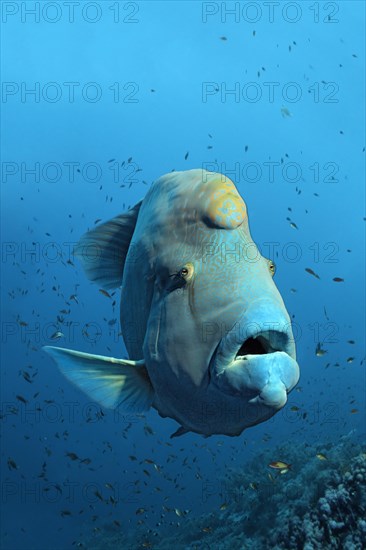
{"x": 180, "y": 431}
{"x": 109, "y": 381}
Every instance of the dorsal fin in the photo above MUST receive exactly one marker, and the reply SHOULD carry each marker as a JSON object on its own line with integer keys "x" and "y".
{"x": 103, "y": 250}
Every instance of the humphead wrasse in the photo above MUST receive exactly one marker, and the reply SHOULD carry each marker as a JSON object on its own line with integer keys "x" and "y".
{"x": 208, "y": 334}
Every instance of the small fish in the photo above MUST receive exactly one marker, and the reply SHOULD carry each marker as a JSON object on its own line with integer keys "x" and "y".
{"x": 186, "y": 155}
{"x": 253, "y": 486}
{"x": 350, "y": 359}
{"x": 26, "y": 376}
{"x": 285, "y": 112}
{"x": 223, "y": 506}
{"x": 223, "y": 38}
{"x": 148, "y": 430}
{"x": 57, "y": 335}
{"x": 279, "y": 465}
{"x": 319, "y": 351}
{"x": 65, "y": 513}
{"x": 309, "y": 270}
{"x": 293, "y": 225}
{"x": 294, "y": 408}
{"x": 320, "y": 456}
{"x": 12, "y": 464}
{"x": 207, "y": 529}
{"x": 354, "y": 411}
{"x": 22, "y": 399}
{"x": 72, "y": 456}
{"x": 338, "y": 279}
{"x": 105, "y": 293}
{"x": 140, "y": 511}
{"x": 350, "y": 341}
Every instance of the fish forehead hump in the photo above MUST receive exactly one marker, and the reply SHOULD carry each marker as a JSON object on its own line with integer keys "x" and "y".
{"x": 184, "y": 198}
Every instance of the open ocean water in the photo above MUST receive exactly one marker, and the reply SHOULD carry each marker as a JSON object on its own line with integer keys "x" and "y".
{"x": 100, "y": 99}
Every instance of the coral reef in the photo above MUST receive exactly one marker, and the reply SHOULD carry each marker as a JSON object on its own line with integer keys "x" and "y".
{"x": 318, "y": 503}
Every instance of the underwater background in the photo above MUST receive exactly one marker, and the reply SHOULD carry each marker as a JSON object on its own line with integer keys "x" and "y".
{"x": 99, "y": 99}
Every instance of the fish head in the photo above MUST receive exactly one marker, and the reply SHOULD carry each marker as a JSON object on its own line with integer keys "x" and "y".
{"x": 217, "y": 329}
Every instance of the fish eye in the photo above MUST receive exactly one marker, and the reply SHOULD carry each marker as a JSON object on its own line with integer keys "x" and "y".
{"x": 187, "y": 271}
{"x": 272, "y": 267}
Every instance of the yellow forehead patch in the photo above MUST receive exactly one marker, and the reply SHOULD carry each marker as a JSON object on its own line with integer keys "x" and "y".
{"x": 223, "y": 206}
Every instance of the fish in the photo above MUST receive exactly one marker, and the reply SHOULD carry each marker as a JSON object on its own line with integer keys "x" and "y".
{"x": 105, "y": 293}
{"x": 72, "y": 456}
{"x": 320, "y": 456}
{"x": 319, "y": 351}
{"x": 279, "y": 465}
{"x": 58, "y": 334}
{"x": 285, "y": 112}
{"x": 194, "y": 316}
{"x": 12, "y": 465}
{"x": 309, "y": 270}
{"x": 22, "y": 399}
{"x": 338, "y": 280}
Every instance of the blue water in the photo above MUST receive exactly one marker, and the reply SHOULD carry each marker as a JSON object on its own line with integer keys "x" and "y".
{"x": 98, "y": 101}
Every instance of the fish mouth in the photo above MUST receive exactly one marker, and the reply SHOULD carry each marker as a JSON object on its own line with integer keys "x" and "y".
{"x": 262, "y": 343}
{"x": 258, "y": 365}
{"x": 257, "y": 342}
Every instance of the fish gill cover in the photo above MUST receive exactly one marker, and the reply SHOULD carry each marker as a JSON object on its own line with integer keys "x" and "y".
{"x": 183, "y": 232}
